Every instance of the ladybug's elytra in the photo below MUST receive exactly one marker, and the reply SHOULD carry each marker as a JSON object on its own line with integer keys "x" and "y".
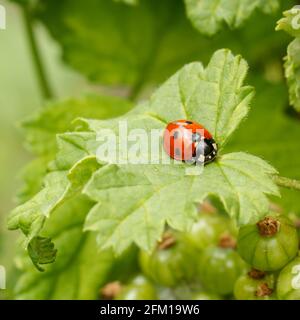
{"x": 189, "y": 141}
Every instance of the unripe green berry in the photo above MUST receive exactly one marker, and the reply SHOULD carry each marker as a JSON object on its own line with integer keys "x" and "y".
{"x": 269, "y": 244}
{"x": 205, "y": 296}
{"x": 288, "y": 284}
{"x": 206, "y": 231}
{"x": 170, "y": 264}
{"x": 255, "y": 285}
{"x": 219, "y": 268}
{"x": 138, "y": 289}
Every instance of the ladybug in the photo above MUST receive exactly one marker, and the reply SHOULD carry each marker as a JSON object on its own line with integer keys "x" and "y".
{"x": 190, "y": 142}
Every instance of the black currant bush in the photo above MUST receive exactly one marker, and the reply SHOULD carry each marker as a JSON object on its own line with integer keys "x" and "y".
{"x": 94, "y": 227}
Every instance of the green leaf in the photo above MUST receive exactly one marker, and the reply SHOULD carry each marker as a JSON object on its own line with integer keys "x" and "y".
{"x": 149, "y": 197}
{"x": 208, "y": 16}
{"x": 279, "y": 144}
{"x": 214, "y": 96}
{"x": 137, "y": 46}
{"x": 80, "y": 269}
{"x": 52, "y": 191}
{"x": 41, "y": 251}
{"x": 41, "y": 129}
{"x": 114, "y": 44}
{"x": 132, "y": 2}
{"x": 291, "y": 24}
{"x": 292, "y": 72}
{"x": 57, "y": 117}
{"x": 144, "y": 198}
{"x": 59, "y": 186}
{"x": 31, "y": 216}
{"x": 32, "y": 176}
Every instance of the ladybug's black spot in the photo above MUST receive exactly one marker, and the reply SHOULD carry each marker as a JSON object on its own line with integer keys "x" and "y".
{"x": 196, "y": 137}
{"x": 189, "y": 122}
{"x": 176, "y": 134}
{"x": 177, "y": 152}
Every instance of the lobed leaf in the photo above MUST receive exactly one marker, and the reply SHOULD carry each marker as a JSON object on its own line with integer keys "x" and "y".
{"x": 280, "y": 144}
{"x": 144, "y": 199}
{"x": 41, "y": 129}
{"x": 41, "y": 194}
{"x": 208, "y": 16}
{"x": 291, "y": 24}
{"x": 80, "y": 270}
{"x": 134, "y": 202}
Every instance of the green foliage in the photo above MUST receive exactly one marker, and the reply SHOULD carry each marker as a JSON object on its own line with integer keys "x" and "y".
{"x": 116, "y": 44}
{"x": 135, "y": 46}
{"x": 166, "y": 194}
{"x": 151, "y": 195}
{"x": 279, "y": 144}
{"x": 41, "y": 250}
{"x": 42, "y": 128}
{"x": 208, "y": 16}
{"x": 32, "y": 177}
{"x": 77, "y": 207}
{"x": 128, "y": 1}
{"x": 79, "y": 270}
{"x": 291, "y": 24}
{"x": 48, "y": 193}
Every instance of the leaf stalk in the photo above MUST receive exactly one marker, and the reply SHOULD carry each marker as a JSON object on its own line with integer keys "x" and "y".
{"x": 36, "y": 56}
{"x": 287, "y": 182}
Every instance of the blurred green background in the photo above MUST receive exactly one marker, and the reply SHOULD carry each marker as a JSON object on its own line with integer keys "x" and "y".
{"x": 20, "y": 96}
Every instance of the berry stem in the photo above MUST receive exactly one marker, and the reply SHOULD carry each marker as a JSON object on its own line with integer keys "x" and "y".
{"x": 167, "y": 241}
{"x": 256, "y": 274}
{"x": 36, "y": 56}
{"x": 287, "y": 182}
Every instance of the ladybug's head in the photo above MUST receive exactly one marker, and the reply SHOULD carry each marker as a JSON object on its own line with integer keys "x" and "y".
{"x": 206, "y": 151}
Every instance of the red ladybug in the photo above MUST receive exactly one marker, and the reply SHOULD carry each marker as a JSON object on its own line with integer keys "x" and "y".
{"x": 189, "y": 141}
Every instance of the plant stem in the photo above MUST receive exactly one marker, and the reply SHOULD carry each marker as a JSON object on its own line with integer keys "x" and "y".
{"x": 287, "y": 183}
{"x": 40, "y": 71}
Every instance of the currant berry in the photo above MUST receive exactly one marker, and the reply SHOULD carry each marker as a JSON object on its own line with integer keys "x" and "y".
{"x": 220, "y": 267}
{"x": 170, "y": 264}
{"x": 269, "y": 244}
{"x": 255, "y": 285}
{"x": 139, "y": 289}
{"x": 296, "y": 221}
{"x": 288, "y": 285}
{"x": 206, "y": 231}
